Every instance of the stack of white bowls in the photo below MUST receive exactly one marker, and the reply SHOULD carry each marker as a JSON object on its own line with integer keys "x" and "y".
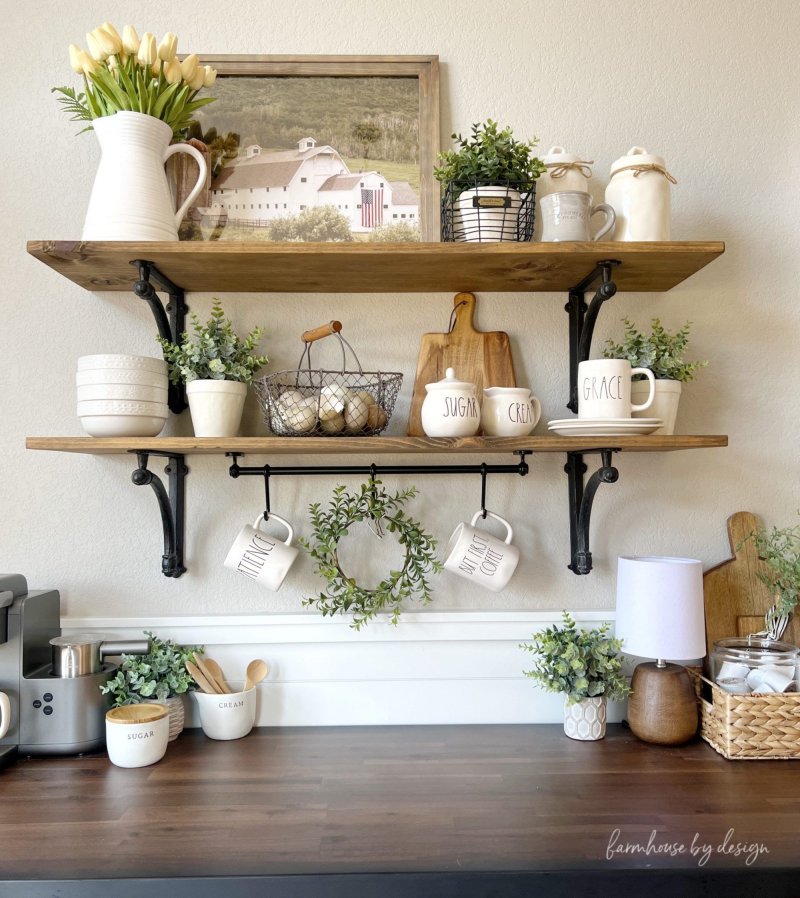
{"x": 122, "y": 395}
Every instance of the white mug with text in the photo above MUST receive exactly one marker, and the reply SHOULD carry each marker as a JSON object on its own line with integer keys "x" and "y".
{"x": 566, "y": 216}
{"x": 261, "y": 556}
{"x": 604, "y": 389}
{"x": 481, "y": 558}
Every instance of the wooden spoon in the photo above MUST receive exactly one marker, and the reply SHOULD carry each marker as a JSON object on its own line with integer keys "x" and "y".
{"x": 206, "y": 671}
{"x": 219, "y": 678}
{"x": 200, "y": 679}
{"x": 255, "y": 673}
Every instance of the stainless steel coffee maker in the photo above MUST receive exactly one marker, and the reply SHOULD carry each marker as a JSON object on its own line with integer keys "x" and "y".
{"x": 50, "y": 699}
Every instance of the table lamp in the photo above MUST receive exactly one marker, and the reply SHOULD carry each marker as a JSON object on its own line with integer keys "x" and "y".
{"x": 660, "y": 615}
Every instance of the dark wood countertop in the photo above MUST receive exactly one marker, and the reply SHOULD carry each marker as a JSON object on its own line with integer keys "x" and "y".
{"x": 457, "y": 805}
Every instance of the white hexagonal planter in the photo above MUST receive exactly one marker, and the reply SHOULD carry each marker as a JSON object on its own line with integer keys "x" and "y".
{"x": 585, "y": 720}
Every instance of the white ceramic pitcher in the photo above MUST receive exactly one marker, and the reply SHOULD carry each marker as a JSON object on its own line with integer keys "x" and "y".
{"x": 131, "y": 199}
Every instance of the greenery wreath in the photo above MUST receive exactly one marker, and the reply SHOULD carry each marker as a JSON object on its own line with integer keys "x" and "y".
{"x": 371, "y": 503}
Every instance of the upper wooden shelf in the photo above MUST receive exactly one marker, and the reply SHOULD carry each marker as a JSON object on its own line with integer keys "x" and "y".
{"x": 376, "y": 268}
{"x": 377, "y": 445}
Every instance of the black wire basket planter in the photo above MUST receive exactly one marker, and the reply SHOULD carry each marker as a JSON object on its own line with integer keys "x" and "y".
{"x": 483, "y": 212}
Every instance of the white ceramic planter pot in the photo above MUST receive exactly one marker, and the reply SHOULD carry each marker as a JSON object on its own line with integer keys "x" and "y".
{"x": 478, "y": 220}
{"x": 585, "y": 720}
{"x": 216, "y": 407}
{"x": 665, "y": 404}
{"x": 131, "y": 199}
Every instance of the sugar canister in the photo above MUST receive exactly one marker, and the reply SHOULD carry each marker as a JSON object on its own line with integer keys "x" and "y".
{"x": 639, "y": 193}
{"x": 565, "y": 171}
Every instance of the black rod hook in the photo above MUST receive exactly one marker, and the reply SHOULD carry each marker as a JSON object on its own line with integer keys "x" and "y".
{"x": 484, "y": 474}
{"x": 266, "y": 492}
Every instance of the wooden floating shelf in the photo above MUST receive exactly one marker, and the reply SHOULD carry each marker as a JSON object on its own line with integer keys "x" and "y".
{"x": 379, "y": 445}
{"x": 376, "y": 268}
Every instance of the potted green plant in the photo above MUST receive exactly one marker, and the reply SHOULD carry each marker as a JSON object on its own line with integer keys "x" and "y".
{"x": 216, "y": 365}
{"x": 490, "y": 185}
{"x": 586, "y": 666}
{"x": 160, "y": 675}
{"x": 663, "y": 353}
{"x": 137, "y": 97}
{"x": 779, "y": 548}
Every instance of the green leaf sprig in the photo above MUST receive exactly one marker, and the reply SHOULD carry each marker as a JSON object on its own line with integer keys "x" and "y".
{"x": 579, "y": 663}
{"x": 490, "y": 155}
{"x": 342, "y": 594}
{"x": 779, "y": 548}
{"x": 660, "y": 351}
{"x": 215, "y": 352}
{"x": 159, "y": 674}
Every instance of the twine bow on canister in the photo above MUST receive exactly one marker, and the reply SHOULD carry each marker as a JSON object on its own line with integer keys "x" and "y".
{"x": 560, "y": 169}
{"x": 643, "y": 167}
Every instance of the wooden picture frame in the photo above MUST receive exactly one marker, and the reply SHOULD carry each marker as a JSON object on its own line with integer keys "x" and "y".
{"x": 383, "y": 205}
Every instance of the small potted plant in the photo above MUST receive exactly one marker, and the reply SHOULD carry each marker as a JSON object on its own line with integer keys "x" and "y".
{"x": 779, "y": 548}
{"x": 160, "y": 676}
{"x": 663, "y": 353}
{"x": 216, "y": 366}
{"x": 490, "y": 186}
{"x": 586, "y": 666}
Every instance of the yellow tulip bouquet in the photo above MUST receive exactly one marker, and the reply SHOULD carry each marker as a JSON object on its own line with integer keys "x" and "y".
{"x": 126, "y": 73}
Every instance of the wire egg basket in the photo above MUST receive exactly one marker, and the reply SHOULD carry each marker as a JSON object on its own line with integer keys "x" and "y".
{"x": 306, "y": 401}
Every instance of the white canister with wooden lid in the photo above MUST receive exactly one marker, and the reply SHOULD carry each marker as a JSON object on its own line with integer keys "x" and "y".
{"x": 639, "y": 193}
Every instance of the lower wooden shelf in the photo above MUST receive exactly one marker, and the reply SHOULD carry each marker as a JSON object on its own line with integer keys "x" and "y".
{"x": 380, "y": 445}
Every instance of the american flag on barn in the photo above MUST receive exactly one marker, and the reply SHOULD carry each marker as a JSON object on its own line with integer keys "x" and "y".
{"x": 371, "y": 208}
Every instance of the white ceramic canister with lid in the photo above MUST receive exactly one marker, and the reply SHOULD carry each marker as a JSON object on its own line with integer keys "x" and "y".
{"x": 565, "y": 171}
{"x": 639, "y": 193}
{"x": 451, "y": 408}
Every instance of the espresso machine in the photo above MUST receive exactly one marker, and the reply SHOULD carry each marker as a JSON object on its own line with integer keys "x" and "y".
{"x": 50, "y": 699}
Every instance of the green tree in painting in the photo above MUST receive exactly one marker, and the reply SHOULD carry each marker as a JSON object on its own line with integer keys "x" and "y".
{"x": 366, "y": 134}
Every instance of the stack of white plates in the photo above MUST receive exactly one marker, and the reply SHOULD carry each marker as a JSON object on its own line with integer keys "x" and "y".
{"x": 122, "y": 395}
{"x": 604, "y": 427}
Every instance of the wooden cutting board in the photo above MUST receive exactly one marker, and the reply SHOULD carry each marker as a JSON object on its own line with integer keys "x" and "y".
{"x": 479, "y": 357}
{"x": 735, "y": 599}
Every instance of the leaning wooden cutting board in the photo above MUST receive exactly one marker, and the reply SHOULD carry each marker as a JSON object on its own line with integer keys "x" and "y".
{"x": 479, "y": 357}
{"x": 735, "y": 599}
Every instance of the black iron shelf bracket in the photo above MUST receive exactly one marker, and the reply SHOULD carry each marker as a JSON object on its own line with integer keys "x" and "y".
{"x": 171, "y": 322}
{"x": 581, "y": 499}
{"x": 582, "y": 319}
{"x": 171, "y": 504}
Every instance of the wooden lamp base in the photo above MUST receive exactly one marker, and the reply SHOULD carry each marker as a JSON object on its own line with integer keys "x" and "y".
{"x": 662, "y": 707}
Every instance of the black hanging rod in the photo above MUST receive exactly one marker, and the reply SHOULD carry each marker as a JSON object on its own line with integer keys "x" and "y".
{"x": 237, "y": 470}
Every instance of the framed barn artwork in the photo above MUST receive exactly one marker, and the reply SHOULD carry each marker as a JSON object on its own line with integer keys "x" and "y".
{"x": 316, "y": 148}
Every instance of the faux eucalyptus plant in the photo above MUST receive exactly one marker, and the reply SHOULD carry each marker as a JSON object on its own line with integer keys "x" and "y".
{"x": 779, "y": 548}
{"x": 381, "y": 510}
{"x": 490, "y": 156}
{"x": 580, "y": 663}
{"x": 660, "y": 351}
{"x": 159, "y": 674}
{"x": 215, "y": 352}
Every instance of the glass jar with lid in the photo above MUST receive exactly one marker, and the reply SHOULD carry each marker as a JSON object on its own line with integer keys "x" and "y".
{"x": 743, "y": 664}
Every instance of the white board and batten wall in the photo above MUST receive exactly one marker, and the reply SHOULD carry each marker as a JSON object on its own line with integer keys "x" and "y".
{"x": 432, "y": 668}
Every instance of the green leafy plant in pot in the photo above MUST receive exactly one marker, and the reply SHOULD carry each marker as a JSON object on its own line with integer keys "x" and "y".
{"x": 663, "y": 353}
{"x": 490, "y": 186}
{"x": 160, "y": 676}
{"x": 216, "y": 365}
{"x": 584, "y": 665}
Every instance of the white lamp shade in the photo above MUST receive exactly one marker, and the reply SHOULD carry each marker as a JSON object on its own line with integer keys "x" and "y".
{"x": 660, "y": 610}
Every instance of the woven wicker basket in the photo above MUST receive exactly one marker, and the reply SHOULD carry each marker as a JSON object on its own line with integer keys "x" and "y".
{"x": 764, "y": 726}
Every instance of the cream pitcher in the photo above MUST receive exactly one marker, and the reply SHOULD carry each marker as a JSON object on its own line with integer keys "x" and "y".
{"x": 639, "y": 193}
{"x": 509, "y": 412}
{"x": 131, "y": 198}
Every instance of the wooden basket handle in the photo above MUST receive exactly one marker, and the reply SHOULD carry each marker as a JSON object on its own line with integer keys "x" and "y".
{"x": 324, "y": 330}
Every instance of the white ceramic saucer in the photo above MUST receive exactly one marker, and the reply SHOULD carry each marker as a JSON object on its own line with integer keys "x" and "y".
{"x": 608, "y": 427}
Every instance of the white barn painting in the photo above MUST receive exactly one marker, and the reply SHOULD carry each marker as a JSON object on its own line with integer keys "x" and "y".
{"x": 261, "y": 186}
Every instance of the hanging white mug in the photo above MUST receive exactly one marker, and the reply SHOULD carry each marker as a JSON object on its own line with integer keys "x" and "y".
{"x": 566, "y": 216}
{"x": 261, "y": 556}
{"x": 480, "y": 557}
{"x": 5, "y": 714}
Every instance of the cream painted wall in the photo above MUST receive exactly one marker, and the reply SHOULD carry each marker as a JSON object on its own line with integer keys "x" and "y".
{"x": 710, "y": 85}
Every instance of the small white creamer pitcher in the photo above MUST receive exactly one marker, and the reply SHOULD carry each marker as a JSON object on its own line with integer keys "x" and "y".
{"x": 131, "y": 199}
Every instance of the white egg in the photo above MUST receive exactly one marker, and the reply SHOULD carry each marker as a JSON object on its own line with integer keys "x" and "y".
{"x": 301, "y": 418}
{"x": 356, "y": 414}
{"x": 290, "y": 398}
{"x": 332, "y": 425}
{"x": 330, "y": 404}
